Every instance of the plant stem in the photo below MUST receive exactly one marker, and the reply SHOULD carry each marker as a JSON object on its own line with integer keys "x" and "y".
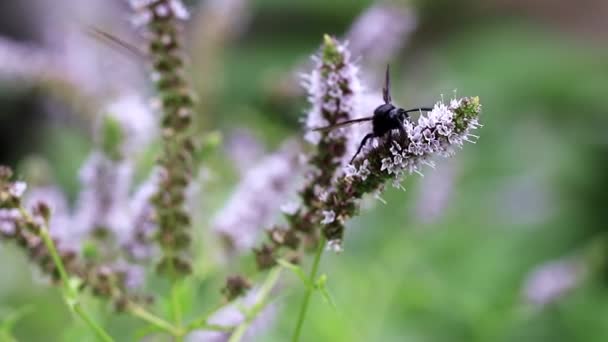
{"x": 50, "y": 245}
{"x": 202, "y": 322}
{"x": 259, "y": 305}
{"x": 176, "y": 308}
{"x": 309, "y": 290}
{"x": 69, "y": 292}
{"x": 102, "y": 335}
{"x": 144, "y": 315}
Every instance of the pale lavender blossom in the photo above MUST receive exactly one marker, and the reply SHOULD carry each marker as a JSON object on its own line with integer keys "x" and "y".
{"x": 552, "y": 280}
{"x": 329, "y": 216}
{"x": 335, "y": 246}
{"x": 253, "y": 204}
{"x": 139, "y": 244}
{"x": 60, "y": 222}
{"x": 145, "y": 10}
{"x": 22, "y": 63}
{"x": 134, "y": 275}
{"x": 63, "y": 26}
{"x": 8, "y": 219}
{"x": 103, "y": 202}
{"x": 231, "y": 315}
{"x": 17, "y": 189}
{"x": 244, "y": 150}
{"x": 137, "y": 121}
{"x": 379, "y": 33}
{"x": 290, "y": 208}
{"x": 435, "y": 191}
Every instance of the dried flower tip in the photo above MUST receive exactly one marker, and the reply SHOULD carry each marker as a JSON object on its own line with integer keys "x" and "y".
{"x": 284, "y": 237}
{"x": 235, "y": 287}
{"x": 265, "y": 257}
{"x": 5, "y": 173}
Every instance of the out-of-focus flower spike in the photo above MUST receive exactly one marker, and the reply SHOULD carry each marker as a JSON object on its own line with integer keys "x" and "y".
{"x": 436, "y": 191}
{"x": 378, "y": 34}
{"x": 231, "y": 315}
{"x": 253, "y": 204}
{"x": 102, "y": 205}
{"x": 552, "y": 280}
{"x": 140, "y": 246}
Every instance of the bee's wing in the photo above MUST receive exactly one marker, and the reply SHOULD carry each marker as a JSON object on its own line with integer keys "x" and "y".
{"x": 342, "y": 124}
{"x": 386, "y": 91}
{"x": 114, "y": 41}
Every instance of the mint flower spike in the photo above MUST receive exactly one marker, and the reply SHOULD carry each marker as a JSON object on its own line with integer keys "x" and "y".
{"x": 438, "y": 133}
{"x": 160, "y": 21}
{"x": 333, "y": 89}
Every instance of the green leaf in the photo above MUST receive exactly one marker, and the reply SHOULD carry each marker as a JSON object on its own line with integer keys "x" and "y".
{"x": 321, "y": 285}
{"x": 8, "y": 323}
{"x": 112, "y": 137}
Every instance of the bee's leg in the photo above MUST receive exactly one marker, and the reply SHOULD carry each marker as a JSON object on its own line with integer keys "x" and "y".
{"x": 363, "y": 142}
{"x": 389, "y": 138}
{"x": 402, "y": 132}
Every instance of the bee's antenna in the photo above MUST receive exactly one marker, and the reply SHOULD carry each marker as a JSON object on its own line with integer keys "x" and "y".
{"x": 386, "y": 91}
{"x": 111, "y": 39}
{"x": 421, "y": 109}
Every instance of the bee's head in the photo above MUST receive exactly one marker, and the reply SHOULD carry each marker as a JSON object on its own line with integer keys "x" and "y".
{"x": 402, "y": 114}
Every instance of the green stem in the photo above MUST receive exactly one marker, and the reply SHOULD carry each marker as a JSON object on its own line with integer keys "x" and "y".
{"x": 69, "y": 292}
{"x": 176, "y": 308}
{"x": 158, "y": 322}
{"x": 50, "y": 245}
{"x": 102, "y": 335}
{"x": 259, "y": 305}
{"x": 202, "y": 322}
{"x": 309, "y": 290}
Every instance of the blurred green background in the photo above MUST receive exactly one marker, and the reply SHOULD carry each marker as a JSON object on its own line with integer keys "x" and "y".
{"x": 532, "y": 190}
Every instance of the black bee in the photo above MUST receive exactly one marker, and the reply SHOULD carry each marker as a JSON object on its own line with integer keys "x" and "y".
{"x": 386, "y": 117}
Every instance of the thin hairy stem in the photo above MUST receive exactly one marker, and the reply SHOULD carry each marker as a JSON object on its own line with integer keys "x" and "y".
{"x": 260, "y": 304}
{"x": 101, "y": 334}
{"x": 202, "y": 322}
{"x": 176, "y": 308}
{"x": 69, "y": 292}
{"x": 156, "y": 321}
{"x": 309, "y": 290}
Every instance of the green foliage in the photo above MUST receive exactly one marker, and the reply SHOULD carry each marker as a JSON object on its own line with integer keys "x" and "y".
{"x": 457, "y": 278}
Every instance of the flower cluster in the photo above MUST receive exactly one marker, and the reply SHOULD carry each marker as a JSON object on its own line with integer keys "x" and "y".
{"x": 334, "y": 90}
{"x": 29, "y": 228}
{"x": 436, "y": 134}
{"x": 160, "y": 21}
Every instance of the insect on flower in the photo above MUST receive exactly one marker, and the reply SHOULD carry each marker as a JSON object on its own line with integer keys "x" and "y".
{"x": 387, "y": 117}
